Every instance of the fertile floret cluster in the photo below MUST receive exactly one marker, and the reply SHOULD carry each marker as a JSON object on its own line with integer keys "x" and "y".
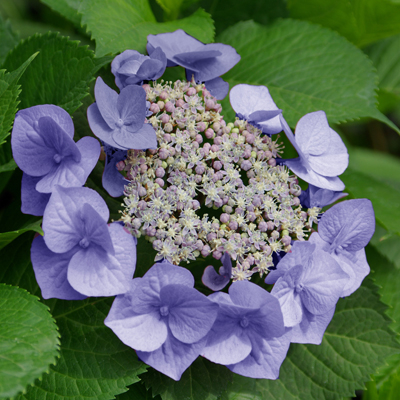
{"x": 201, "y": 162}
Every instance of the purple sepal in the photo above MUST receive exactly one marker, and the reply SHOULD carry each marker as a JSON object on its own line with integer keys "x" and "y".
{"x": 316, "y": 197}
{"x": 132, "y": 68}
{"x": 312, "y": 327}
{"x": 322, "y": 153}
{"x": 216, "y": 281}
{"x": 163, "y": 318}
{"x": 113, "y": 181}
{"x": 119, "y": 120}
{"x": 248, "y": 326}
{"x": 217, "y": 87}
{"x": 51, "y": 271}
{"x": 255, "y": 104}
{"x": 32, "y": 201}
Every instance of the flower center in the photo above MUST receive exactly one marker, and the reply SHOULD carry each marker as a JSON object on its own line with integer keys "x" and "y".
{"x": 120, "y": 123}
{"x": 57, "y": 158}
{"x": 84, "y": 243}
{"x": 244, "y": 322}
{"x": 164, "y": 311}
{"x": 299, "y": 287}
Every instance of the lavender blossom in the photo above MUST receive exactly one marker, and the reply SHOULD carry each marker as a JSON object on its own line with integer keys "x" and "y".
{"x": 316, "y": 197}
{"x": 43, "y": 147}
{"x": 79, "y": 254}
{"x": 255, "y": 105}
{"x": 206, "y": 62}
{"x": 218, "y": 281}
{"x": 133, "y": 68}
{"x": 248, "y": 335}
{"x": 119, "y": 119}
{"x": 112, "y": 180}
{"x": 322, "y": 153}
{"x": 310, "y": 284}
{"x": 163, "y": 318}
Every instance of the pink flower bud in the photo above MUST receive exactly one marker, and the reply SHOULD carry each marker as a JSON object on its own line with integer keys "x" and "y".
{"x": 168, "y": 127}
{"x": 216, "y": 126}
{"x": 160, "y": 172}
{"x": 218, "y": 140}
{"x": 270, "y": 225}
{"x": 217, "y": 255}
{"x": 159, "y": 181}
{"x": 210, "y": 104}
{"x": 191, "y": 91}
{"x": 160, "y": 104}
{"x": 180, "y": 103}
{"x": 206, "y": 250}
{"x": 233, "y": 225}
{"x": 164, "y": 118}
{"x": 199, "y": 138}
{"x": 214, "y": 148}
{"x": 262, "y": 226}
{"x": 272, "y": 162}
{"x": 169, "y": 107}
{"x": 201, "y": 126}
{"x": 224, "y": 218}
{"x": 209, "y": 133}
{"x": 163, "y": 95}
{"x": 217, "y": 165}
{"x": 120, "y": 165}
{"x": 250, "y": 138}
{"x": 154, "y": 107}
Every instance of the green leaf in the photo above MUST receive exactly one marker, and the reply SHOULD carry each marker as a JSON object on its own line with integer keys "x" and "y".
{"x": 67, "y": 8}
{"x": 8, "y": 39}
{"x": 8, "y": 237}
{"x": 59, "y": 75}
{"x": 203, "y": 380}
{"x": 356, "y": 342}
{"x": 137, "y": 391}
{"x": 360, "y": 21}
{"x": 388, "y": 245}
{"x": 305, "y": 67}
{"x": 28, "y": 337}
{"x": 94, "y": 363}
{"x": 384, "y": 197}
{"x": 9, "y": 166}
{"x": 126, "y": 24}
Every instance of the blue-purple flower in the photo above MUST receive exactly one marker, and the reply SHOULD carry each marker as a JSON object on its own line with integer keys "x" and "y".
{"x": 255, "y": 105}
{"x": 79, "y": 254}
{"x": 316, "y": 197}
{"x": 205, "y": 62}
{"x": 344, "y": 231}
{"x": 119, "y": 119}
{"x": 43, "y": 147}
{"x": 218, "y": 281}
{"x": 113, "y": 181}
{"x": 309, "y": 285}
{"x": 248, "y": 335}
{"x": 133, "y": 68}
{"x": 322, "y": 153}
{"x": 163, "y": 318}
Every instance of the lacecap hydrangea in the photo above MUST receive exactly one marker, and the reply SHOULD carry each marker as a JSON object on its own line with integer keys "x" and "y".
{"x": 205, "y": 193}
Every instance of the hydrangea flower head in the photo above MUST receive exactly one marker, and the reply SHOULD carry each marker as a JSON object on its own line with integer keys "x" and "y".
{"x": 255, "y": 105}
{"x": 322, "y": 153}
{"x": 43, "y": 147}
{"x": 119, "y": 119}
{"x": 79, "y": 254}
{"x": 206, "y": 62}
{"x": 163, "y": 318}
{"x": 133, "y": 68}
{"x": 248, "y": 335}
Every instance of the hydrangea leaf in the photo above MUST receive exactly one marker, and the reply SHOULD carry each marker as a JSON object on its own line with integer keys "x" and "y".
{"x": 387, "y": 244}
{"x": 127, "y": 23}
{"x": 203, "y": 380}
{"x": 360, "y": 21}
{"x": 306, "y": 68}
{"x": 386, "y": 382}
{"x": 25, "y": 353}
{"x": 67, "y": 8}
{"x": 59, "y": 75}
{"x": 384, "y": 197}
{"x": 94, "y": 363}
{"x": 8, "y": 237}
{"x": 349, "y": 353}
{"x": 138, "y": 391}
{"x": 8, "y": 39}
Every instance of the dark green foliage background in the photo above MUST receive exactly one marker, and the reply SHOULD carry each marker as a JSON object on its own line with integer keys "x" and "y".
{"x": 339, "y": 56}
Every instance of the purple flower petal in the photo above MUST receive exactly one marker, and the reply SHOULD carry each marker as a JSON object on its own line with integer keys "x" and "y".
{"x": 32, "y": 201}
{"x": 144, "y": 138}
{"x": 216, "y": 281}
{"x": 113, "y": 181}
{"x": 247, "y": 294}
{"x": 131, "y": 106}
{"x": 316, "y": 197}
{"x": 217, "y": 87}
{"x": 173, "y": 357}
{"x": 265, "y": 358}
{"x": 312, "y": 327}
{"x": 51, "y": 271}
{"x": 191, "y": 314}
{"x": 250, "y": 101}
{"x": 106, "y": 100}
{"x": 61, "y": 218}
{"x": 348, "y": 225}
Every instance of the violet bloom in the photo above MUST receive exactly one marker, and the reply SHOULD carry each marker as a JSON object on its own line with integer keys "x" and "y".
{"x": 119, "y": 119}
{"x": 113, "y": 181}
{"x": 255, "y": 105}
{"x": 206, "y": 62}
{"x": 79, "y": 254}
{"x": 316, "y": 197}
{"x": 310, "y": 285}
{"x": 248, "y": 335}
{"x": 43, "y": 148}
{"x": 218, "y": 281}
{"x": 344, "y": 231}
{"x": 163, "y": 318}
{"x": 132, "y": 68}
{"x": 322, "y": 153}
